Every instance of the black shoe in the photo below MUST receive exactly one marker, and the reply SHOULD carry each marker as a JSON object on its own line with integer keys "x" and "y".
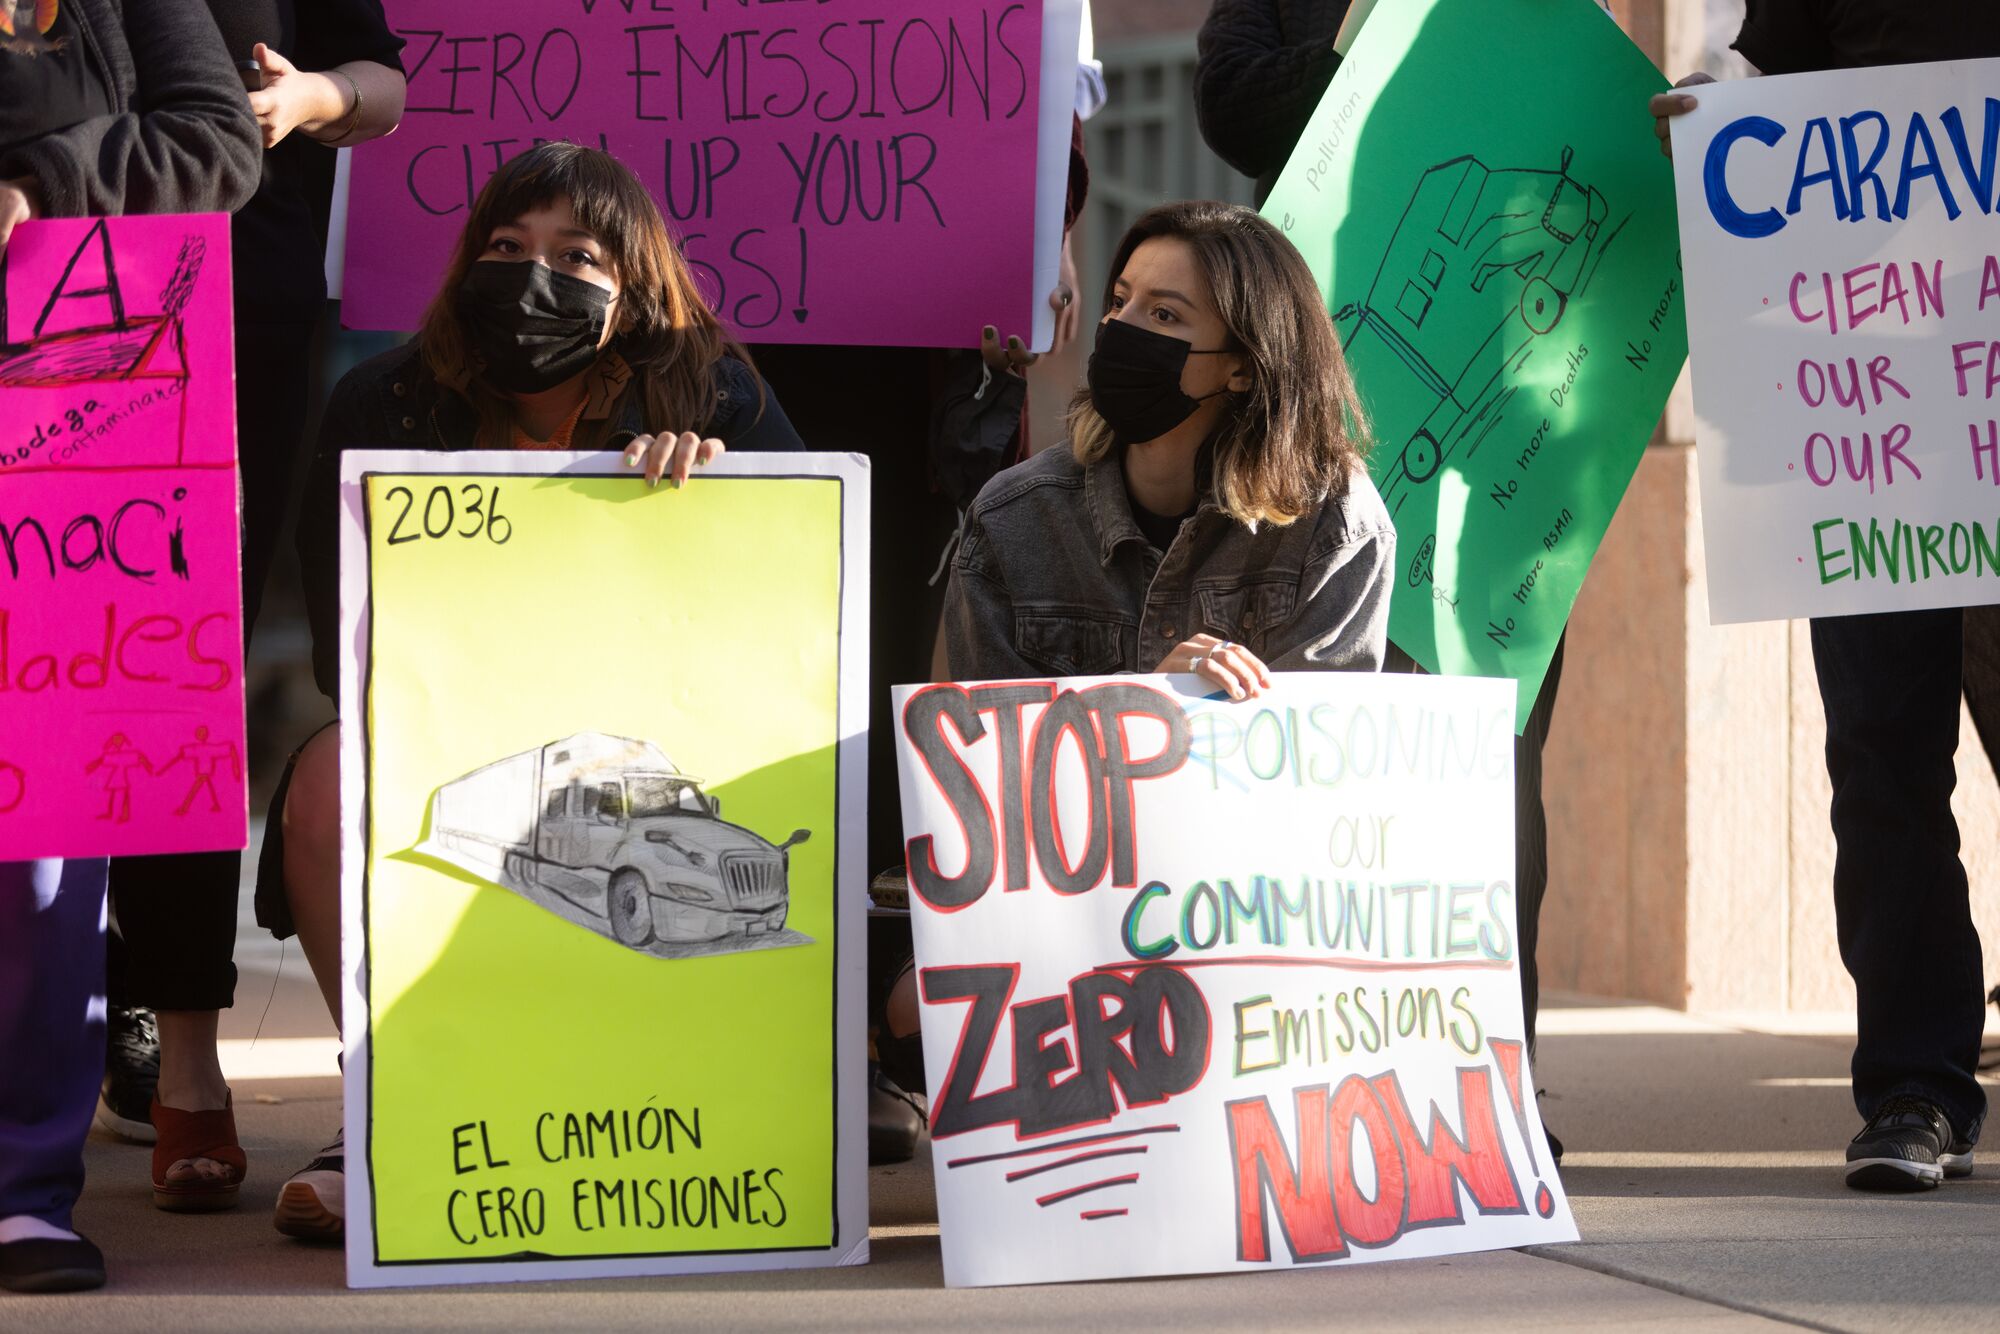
{"x": 1907, "y": 1145}
{"x": 895, "y": 1120}
{"x": 40, "y": 1264}
{"x": 1555, "y": 1145}
{"x": 131, "y": 1073}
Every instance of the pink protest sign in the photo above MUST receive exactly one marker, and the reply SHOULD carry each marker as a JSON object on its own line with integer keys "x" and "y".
{"x": 121, "y": 628}
{"x": 846, "y": 171}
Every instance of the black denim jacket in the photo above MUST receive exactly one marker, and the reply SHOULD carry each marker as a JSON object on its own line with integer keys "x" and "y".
{"x": 1054, "y": 578}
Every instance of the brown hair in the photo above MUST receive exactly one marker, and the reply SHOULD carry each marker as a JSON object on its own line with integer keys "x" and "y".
{"x": 1295, "y": 437}
{"x": 669, "y": 336}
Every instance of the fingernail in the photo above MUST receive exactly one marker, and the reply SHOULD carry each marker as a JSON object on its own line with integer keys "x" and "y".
{"x": 989, "y": 332}
{"x": 631, "y": 461}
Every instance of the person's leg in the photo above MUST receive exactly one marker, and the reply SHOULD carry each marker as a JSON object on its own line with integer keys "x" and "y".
{"x": 177, "y": 930}
{"x": 312, "y": 1204}
{"x": 176, "y": 933}
{"x": 1531, "y": 840}
{"x": 1891, "y": 684}
{"x": 52, "y": 1048}
{"x": 312, "y": 860}
{"x": 174, "y": 947}
{"x": 1981, "y": 682}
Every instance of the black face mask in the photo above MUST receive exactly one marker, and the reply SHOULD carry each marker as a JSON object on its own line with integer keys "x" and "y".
{"x": 1135, "y": 381}
{"x": 533, "y": 327}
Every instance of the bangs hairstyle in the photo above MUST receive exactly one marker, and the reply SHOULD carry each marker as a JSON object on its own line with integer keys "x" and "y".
{"x": 666, "y": 332}
{"x": 1292, "y": 440}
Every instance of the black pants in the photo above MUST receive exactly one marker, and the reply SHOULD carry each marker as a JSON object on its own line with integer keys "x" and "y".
{"x": 174, "y": 944}
{"x": 1531, "y": 828}
{"x": 1891, "y": 687}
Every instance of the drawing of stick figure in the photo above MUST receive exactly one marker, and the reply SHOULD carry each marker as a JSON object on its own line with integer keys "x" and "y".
{"x": 118, "y": 761}
{"x": 206, "y": 758}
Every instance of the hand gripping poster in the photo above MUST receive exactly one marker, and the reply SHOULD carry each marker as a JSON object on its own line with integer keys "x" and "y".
{"x": 121, "y": 608}
{"x": 1220, "y": 987}
{"x": 1843, "y": 283}
{"x": 826, "y": 167}
{"x": 1482, "y": 199}
{"x": 602, "y": 778}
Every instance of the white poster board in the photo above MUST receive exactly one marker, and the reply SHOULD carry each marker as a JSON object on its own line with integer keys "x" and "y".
{"x": 1220, "y": 987}
{"x": 336, "y": 223}
{"x": 1843, "y": 294}
{"x": 580, "y": 716}
{"x": 1062, "y": 38}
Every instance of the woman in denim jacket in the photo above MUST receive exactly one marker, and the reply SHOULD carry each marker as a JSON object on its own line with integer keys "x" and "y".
{"x": 1212, "y": 513}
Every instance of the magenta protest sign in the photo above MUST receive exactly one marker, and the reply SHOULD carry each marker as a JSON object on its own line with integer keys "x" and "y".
{"x": 121, "y": 635}
{"x": 846, "y": 171}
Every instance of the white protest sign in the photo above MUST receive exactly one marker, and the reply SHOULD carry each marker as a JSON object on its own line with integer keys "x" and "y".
{"x": 1062, "y": 37}
{"x": 1839, "y": 250}
{"x": 1212, "y": 986}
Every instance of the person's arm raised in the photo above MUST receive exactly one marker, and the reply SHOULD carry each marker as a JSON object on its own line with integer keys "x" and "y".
{"x": 186, "y": 144}
{"x": 1253, "y": 94}
{"x": 346, "y": 105}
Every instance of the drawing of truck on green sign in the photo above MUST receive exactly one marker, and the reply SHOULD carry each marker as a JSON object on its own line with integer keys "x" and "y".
{"x": 607, "y": 833}
{"x": 1482, "y": 265}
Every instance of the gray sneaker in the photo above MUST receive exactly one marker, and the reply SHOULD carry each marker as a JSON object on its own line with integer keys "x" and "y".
{"x": 313, "y": 1204}
{"x": 1908, "y": 1145}
{"x": 131, "y": 1073}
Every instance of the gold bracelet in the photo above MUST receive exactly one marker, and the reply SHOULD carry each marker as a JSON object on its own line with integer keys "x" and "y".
{"x": 353, "y": 117}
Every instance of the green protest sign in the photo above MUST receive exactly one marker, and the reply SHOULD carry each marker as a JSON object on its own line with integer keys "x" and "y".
{"x": 1483, "y": 201}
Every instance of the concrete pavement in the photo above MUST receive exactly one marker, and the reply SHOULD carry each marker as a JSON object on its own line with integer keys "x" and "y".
{"x": 1703, "y": 1168}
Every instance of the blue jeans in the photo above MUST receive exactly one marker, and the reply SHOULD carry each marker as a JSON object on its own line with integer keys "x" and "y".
{"x": 1891, "y": 685}
{"x": 51, "y": 1031}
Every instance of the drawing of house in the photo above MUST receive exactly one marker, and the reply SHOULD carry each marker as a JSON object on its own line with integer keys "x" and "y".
{"x": 85, "y": 332}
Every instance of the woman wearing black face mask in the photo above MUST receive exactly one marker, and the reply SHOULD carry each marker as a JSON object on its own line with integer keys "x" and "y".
{"x": 566, "y": 320}
{"x": 1212, "y": 513}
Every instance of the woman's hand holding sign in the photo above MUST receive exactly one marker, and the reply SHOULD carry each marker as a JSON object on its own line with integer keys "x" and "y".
{"x": 1665, "y": 106}
{"x": 671, "y": 454}
{"x": 1220, "y": 662}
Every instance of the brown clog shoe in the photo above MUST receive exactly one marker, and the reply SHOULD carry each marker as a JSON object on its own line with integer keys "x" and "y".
{"x": 185, "y": 1135}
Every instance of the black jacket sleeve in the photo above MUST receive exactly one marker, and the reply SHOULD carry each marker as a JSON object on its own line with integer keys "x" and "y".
{"x": 1252, "y": 94}
{"x": 1785, "y": 36}
{"x": 745, "y": 422}
{"x": 186, "y": 142}
{"x": 318, "y": 534}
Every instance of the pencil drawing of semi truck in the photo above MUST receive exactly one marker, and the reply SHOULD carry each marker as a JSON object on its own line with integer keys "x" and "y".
{"x": 1432, "y": 317}
{"x": 607, "y": 833}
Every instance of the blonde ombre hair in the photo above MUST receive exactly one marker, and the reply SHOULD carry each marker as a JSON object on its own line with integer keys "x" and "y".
{"x": 1292, "y": 440}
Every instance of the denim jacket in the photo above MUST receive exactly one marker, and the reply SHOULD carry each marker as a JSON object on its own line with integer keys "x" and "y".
{"x": 1054, "y": 578}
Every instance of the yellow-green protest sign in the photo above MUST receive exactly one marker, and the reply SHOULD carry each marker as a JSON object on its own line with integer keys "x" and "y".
{"x": 1482, "y": 200}
{"x": 603, "y": 875}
